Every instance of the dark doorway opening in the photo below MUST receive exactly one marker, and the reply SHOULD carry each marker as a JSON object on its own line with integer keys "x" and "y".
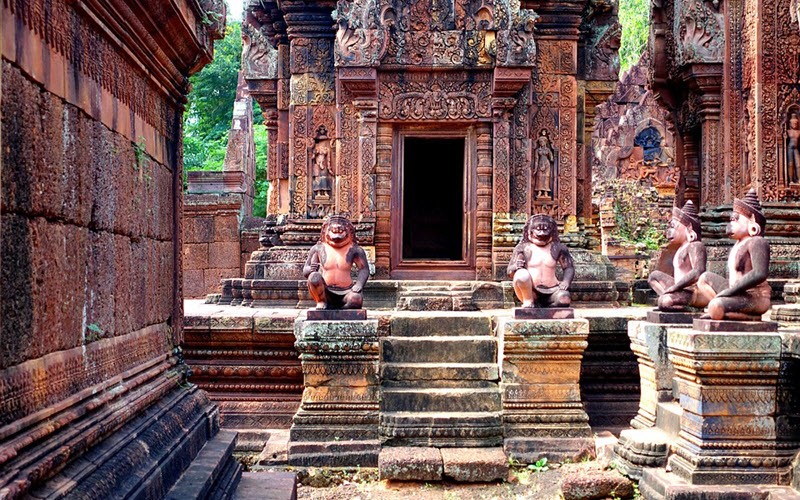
{"x": 433, "y": 199}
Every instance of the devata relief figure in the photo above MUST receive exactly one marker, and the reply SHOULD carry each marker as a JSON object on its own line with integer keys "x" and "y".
{"x": 533, "y": 265}
{"x": 544, "y": 167}
{"x": 689, "y": 262}
{"x": 793, "y": 149}
{"x": 329, "y": 264}
{"x": 321, "y": 185}
{"x": 746, "y": 293}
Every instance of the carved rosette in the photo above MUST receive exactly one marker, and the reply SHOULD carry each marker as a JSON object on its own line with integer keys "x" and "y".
{"x": 337, "y": 423}
{"x": 542, "y": 410}
{"x": 729, "y": 394}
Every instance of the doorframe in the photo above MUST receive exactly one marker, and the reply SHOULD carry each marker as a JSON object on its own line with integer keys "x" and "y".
{"x": 463, "y": 269}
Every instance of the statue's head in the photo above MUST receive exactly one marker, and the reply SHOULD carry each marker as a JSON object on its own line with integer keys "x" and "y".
{"x": 794, "y": 121}
{"x": 685, "y": 224}
{"x": 338, "y": 231}
{"x": 540, "y": 230}
{"x": 747, "y": 218}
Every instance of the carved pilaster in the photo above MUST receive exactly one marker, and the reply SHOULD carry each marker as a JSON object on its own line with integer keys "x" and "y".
{"x": 337, "y": 423}
{"x": 542, "y": 411}
{"x": 729, "y": 388}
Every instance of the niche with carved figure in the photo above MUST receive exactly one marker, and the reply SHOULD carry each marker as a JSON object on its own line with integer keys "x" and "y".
{"x": 790, "y": 156}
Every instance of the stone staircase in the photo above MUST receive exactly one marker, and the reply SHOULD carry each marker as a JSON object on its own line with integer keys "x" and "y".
{"x": 444, "y": 296}
{"x": 440, "y": 390}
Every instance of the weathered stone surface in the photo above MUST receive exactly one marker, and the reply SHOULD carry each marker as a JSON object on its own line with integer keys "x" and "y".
{"x": 428, "y": 325}
{"x": 710, "y": 325}
{"x": 410, "y": 464}
{"x": 544, "y": 313}
{"x": 723, "y": 411}
{"x": 475, "y": 464}
{"x": 437, "y": 349}
{"x": 639, "y": 448}
{"x": 660, "y": 485}
{"x": 591, "y": 482}
{"x": 337, "y": 423}
{"x": 336, "y": 314}
{"x": 665, "y": 317}
{"x": 542, "y": 410}
{"x": 649, "y": 343}
{"x": 267, "y": 486}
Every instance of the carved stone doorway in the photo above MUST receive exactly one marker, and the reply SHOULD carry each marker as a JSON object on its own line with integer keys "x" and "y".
{"x": 433, "y": 205}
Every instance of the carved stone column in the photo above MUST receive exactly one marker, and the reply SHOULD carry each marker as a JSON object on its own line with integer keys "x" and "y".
{"x": 706, "y": 79}
{"x": 649, "y": 343}
{"x": 542, "y": 411}
{"x": 729, "y": 387}
{"x": 337, "y": 423}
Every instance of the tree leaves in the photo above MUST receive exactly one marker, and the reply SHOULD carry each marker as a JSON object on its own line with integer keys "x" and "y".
{"x": 634, "y": 15}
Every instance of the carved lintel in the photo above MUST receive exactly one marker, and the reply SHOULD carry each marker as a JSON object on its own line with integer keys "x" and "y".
{"x": 360, "y": 82}
{"x": 264, "y": 91}
{"x": 506, "y": 82}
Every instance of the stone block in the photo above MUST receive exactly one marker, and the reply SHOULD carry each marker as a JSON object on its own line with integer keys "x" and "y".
{"x": 672, "y": 317}
{"x": 356, "y": 453}
{"x": 197, "y": 229}
{"x": 582, "y": 482}
{"x": 640, "y": 448}
{"x": 420, "y": 324}
{"x": 440, "y": 399}
{"x": 475, "y": 464}
{"x": 544, "y": 313}
{"x": 410, "y": 464}
{"x": 267, "y": 486}
{"x": 711, "y": 325}
{"x": 226, "y": 228}
{"x": 224, "y": 255}
{"x": 193, "y": 284}
{"x": 195, "y": 256}
{"x": 336, "y": 314}
{"x": 439, "y": 349}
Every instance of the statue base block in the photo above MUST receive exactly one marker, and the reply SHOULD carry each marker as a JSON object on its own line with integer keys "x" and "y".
{"x": 713, "y": 325}
{"x": 672, "y": 317}
{"x": 336, "y": 314}
{"x": 544, "y": 313}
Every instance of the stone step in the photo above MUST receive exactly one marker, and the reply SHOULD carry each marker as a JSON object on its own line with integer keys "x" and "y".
{"x": 454, "y": 429}
{"x": 440, "y": 384}
{"x": 267, "y": 486}
{"x": 453, "y": 324}
{"x": 668, "y": 418}
{"x": 463, "y": 349}
{"x": 440, "y": 371}
{"x": 214, "y": 473}
{"x": 432, "y": 464}
{"x": 440, "y": 400}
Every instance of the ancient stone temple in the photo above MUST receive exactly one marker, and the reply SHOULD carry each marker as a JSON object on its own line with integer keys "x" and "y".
{"x": 94, "y": 401}
{"x": 438, "y": 126}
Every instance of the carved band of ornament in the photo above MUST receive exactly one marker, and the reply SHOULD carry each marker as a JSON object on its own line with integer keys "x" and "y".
{"x": 250, "y": 387}
{"x": 310, "y": 407}
{"x": 247, "y": 371}
{"x": 724, "y": 344}
{"x": 69, "y": 34}
{"x": 305, "y": 418}
{"x": 735, "y": 461}
{"x": 553, "y": 414}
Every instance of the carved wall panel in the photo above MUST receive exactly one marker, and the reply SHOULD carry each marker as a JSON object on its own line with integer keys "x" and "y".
{"x": 432, "y": 96}
{"x": 700, "y": 31}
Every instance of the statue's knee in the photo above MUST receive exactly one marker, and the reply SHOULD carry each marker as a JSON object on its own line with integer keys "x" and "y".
{"x": 716, "y": 308}
{"x": 562, "y": 298}
{"x": 522, "y": 276}
{"x": 666, "y": 300}
{"x": 353, "y": 300}
{"x": 315, "y": 278}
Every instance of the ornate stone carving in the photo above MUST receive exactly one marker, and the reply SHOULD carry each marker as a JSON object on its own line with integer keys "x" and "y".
{"x": 425, "y": 96}
{"x": 543, "y": 171}
{"x": 700, "y": 29}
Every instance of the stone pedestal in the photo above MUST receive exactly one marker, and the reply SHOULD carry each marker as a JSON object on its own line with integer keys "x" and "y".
{"x": 337, "y": 423}
{"x": 649, "y": 343}
{"x": 542, "y": 411}
{"x": 728, "y": 384}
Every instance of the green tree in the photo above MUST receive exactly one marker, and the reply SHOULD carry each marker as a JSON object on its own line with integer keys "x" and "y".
{"x": 209, "y": 112}
{"x": 634, "y": 15}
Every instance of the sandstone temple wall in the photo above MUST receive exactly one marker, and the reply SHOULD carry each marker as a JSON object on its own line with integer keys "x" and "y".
{"x": 92, "y": 103}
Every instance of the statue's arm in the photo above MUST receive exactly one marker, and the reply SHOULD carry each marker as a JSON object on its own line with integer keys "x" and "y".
{"x": 517, "y": 260}
{"x": 697, "y": 260}
{"x": 360, "y": 260}
{"x": 312, "y": 261}
{"x": 759, "y": 257}
{"x": 567, "y": 264}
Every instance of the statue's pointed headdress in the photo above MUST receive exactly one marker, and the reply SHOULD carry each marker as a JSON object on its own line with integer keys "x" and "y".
{"x": 688, "y": 216}
{"x": 750, "y": 206}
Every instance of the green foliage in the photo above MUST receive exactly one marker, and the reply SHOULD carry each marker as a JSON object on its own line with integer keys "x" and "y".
{"x": 93, "y": 333}
{"x": 540, "y": 465}
{"x": 209, "y": 113}
{"x": 634, "y": 15}
{"x": 636, "y": 214}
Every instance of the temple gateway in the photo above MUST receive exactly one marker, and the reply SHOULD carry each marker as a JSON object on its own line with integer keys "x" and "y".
{"x": 438, "y": 126}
